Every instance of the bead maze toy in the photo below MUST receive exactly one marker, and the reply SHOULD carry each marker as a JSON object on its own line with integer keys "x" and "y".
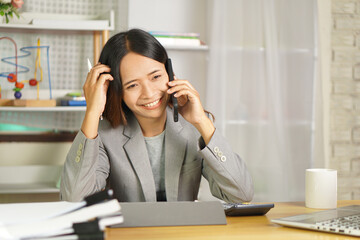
{"x": 13, "y": 78}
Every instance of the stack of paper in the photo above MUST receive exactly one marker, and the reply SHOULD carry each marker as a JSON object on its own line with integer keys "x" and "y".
{"x": 51, "y": 219}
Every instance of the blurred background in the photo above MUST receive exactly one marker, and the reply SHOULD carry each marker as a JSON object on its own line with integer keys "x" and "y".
{"x": 280, "y": 76}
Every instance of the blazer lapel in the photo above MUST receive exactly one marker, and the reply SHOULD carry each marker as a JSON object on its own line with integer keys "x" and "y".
{"x": 136, "y": 151}
{"x": 175, "y": 148}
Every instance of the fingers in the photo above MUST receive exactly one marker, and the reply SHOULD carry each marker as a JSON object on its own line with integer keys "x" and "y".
{"x": 180, "y": 82}
{"x": 187, "y": 93}
{"x": 184, "y": 94}
{"x": 101, "y": 85}
{"x": 181, "y": 87}
{"x": 96, "y": 71}
{"x": 97, "y": 81}
{"x": 104, "y": 79}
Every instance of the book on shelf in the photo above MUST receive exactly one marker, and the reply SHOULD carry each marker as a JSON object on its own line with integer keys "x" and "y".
{"x": 73, "y": 103}
{"x": 45, "y": 220}
{"x": 177, "y": 39}
{"x": 175, "y": 34}
{"x": 73, "y": 99}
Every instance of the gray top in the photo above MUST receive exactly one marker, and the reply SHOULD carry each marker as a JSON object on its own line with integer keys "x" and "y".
{"x": 156, "y": 152}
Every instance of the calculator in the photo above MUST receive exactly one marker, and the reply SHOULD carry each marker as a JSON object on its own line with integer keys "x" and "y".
{"x": 245, "y": 209}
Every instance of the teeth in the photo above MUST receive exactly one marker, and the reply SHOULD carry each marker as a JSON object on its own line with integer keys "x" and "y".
{"x": 152, "y": 104}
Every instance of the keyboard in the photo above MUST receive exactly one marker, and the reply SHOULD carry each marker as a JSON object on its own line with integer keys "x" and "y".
{"x": 345, "y": 225}
{"x": 246, "y": 209}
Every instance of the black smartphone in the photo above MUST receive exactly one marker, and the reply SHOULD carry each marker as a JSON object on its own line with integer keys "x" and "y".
{"x": 239, "y": 209}
{"x": 174, "y": 101}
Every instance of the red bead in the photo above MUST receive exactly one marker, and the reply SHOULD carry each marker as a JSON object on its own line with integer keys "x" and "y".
{"x": 33, "y": 82}
{"x": 12, "y": 77}
{"x": 19, "y": 85}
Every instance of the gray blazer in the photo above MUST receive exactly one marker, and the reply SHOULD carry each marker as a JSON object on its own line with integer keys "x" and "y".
{"x": 118, "y": 159}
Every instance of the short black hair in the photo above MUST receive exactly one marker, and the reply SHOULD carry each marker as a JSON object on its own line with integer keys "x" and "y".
{"x": 136, "y": 41}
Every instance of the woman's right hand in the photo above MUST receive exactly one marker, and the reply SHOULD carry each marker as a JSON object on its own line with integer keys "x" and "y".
{"x": 95, "y": 89}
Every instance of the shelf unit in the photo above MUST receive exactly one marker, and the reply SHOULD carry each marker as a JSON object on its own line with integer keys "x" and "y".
{"x": 43, "y": 179}
{"x": 60, "y": 118}
{"x": 100, "y": 25}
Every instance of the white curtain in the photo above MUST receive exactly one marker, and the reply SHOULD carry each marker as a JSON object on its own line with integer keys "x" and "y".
{"x": 261, "y": 85}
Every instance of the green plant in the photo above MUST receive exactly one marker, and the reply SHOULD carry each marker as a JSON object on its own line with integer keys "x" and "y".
{"x": 8, "y": 10}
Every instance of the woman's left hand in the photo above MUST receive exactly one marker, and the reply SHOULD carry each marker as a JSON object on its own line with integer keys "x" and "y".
{"x": 190, "y": 107}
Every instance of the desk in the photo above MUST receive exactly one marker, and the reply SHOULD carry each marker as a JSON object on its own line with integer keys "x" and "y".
{"x": 258, "y": 227}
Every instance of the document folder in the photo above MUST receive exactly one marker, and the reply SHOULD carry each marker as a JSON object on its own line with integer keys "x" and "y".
{"x": 149, "y": 214}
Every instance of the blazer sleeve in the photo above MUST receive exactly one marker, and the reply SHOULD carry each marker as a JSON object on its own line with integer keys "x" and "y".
{"x": 225, "y": 171}
{"x": 85, "y": 170}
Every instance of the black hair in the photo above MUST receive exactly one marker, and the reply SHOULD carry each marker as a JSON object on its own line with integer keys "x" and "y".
{"x": 136, "y": 41}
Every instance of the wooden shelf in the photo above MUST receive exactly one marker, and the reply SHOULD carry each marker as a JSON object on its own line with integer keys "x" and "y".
{"x": 43, "y": 109}
{"x": 41, "y": 21}
{"x": 28, "y": 188}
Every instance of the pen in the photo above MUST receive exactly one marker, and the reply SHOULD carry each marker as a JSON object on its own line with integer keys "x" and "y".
{"x": 93, "y": 236}
{"x": 89, "y": 64}
{"x": 98, "y": 224}
{"x": 99, "y": 197}
{"x": 89, "y": 67}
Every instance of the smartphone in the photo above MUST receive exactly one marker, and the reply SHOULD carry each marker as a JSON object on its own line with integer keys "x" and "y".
{"x": 174, "y": 101}
{"x": 234, "y": 209}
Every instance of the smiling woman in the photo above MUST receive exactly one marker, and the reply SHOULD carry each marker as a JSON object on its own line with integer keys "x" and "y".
{"x": 116, "y": 51}
{"x": 146, "y": 96}
{"x": 138, "y": 150}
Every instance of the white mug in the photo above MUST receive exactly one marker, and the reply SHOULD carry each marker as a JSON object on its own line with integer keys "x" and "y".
{"x": 321, "y": 188}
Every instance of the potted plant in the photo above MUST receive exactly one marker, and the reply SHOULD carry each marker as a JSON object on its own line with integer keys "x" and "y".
{"x": 9, "y": 8}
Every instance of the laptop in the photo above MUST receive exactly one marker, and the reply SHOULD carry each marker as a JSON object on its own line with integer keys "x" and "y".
{"x": 342, "y": 220}
{"x": 151, "y": 214}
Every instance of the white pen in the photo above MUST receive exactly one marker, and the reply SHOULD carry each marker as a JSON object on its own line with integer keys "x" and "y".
{"x": 89, "y": 66}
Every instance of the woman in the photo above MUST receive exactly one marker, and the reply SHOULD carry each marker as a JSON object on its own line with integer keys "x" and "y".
{"x": 138, "y": 150}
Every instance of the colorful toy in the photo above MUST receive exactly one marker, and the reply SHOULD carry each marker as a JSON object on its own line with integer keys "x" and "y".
{"x": 13, "y": 77}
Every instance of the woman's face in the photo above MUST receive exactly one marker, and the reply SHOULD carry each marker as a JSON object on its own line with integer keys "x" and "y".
{"x": 144, "y": 82}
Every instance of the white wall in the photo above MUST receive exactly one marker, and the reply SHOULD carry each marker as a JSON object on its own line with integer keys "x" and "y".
{"x": 176, "y": 16}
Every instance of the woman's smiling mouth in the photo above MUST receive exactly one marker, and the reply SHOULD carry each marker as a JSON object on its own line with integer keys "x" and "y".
{"x": 153, "y": 105}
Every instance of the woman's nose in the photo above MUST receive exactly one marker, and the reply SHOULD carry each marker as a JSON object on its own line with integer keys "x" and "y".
{"x": 147, "y": 90}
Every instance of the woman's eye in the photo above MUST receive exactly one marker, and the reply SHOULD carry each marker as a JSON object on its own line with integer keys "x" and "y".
{"x": 157, "y": 76}
{"x": 131, "y": 86}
